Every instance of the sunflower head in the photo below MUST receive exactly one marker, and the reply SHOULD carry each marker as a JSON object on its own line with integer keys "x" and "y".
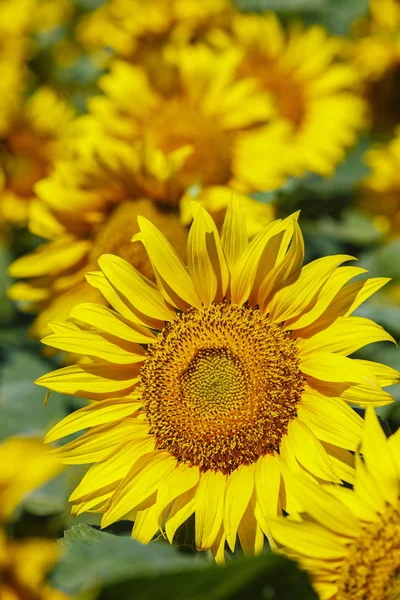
{"x": 28, "y": 151}
{"x": 216, "y": 380}
{"x": 24, "y": 565}
{"x": 311, "y": 88}
{"x": 349, "y": 540}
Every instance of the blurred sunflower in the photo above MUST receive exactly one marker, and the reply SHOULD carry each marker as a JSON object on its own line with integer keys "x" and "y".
{"x": 349, "y": 540}
{"x": 28, "y": 151}
{"x": 310, "y": 87}
{"x": 25, "y": 465}
{"x": 151, "y": 151}
{"x": 138, "y": 31}
{"x": 377, "y": 50}
{"x": 209, "y": 381}
{"x": 375, "y": 53}
{"x": 380, "y": 193}
{"x": 24, "y": 564}
{"x": 14, "y": 51}
{"x": 195, "y": 131}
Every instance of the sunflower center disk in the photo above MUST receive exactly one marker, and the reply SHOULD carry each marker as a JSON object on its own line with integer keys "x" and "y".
{"x": 372, "y": 569}
{"x": 221, "y": 386}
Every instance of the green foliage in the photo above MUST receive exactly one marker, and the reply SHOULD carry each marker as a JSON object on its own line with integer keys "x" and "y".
{"x": 22, "y": 403}
{"x": 336, "y": 16}
{"x": 126, "y": 569}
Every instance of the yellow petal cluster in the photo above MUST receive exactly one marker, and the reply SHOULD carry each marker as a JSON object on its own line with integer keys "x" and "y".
{"x": 349, "y": 539}
{"x": 218, "y": 379}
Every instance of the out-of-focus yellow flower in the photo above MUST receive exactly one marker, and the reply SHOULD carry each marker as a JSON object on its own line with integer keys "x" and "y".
{"x": 378, "y": 48}
{"x": 15, "y": 18}
{"x": 349, "y": 540}
{"x": 25, "y": 464}
{"x": 28, "y": 151}
{"x": 208, "y": 386}
{"x": 132, "y": 28}
{"x": 380, "y": 194}
{"x": 375, "y": 53}
{"x": 141, "y": 157}
{"x": 310, "y": 88}
{"x": 50, "y": 15}
{"x": 200, "y": 130}
{"x": 23, "y": 566}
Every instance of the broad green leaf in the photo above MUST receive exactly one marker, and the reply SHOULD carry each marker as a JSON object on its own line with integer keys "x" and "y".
{"x": 126, "y": 569}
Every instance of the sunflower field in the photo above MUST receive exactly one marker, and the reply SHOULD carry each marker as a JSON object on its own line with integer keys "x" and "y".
{"x": 199, "y": 299}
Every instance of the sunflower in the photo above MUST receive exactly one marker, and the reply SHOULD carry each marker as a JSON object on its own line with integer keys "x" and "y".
{"x": 380, "y": 193}
{"x": 14, "y": 51}
{"x": 137, "y": 31}
{"x": 349, "y": 540}
{"x": 25, "y": 465}
{"x": 377, "y": 49}
{"x": 205, "y": 384}
{"x": 375, "y": 54}
{"x": 28, "y": 151}
{"x": 310, "y": 88}
{"x": 24, "y": 564}
{"x": 199, "y": 126}
{"x": 159, "y": 150}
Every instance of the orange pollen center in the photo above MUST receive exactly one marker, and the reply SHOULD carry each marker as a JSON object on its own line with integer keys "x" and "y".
{"x": 372, "y": 568}
{"x": 220, "y": 387}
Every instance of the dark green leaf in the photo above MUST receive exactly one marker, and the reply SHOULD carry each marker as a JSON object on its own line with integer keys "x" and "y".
{"x": 126, "y": 569}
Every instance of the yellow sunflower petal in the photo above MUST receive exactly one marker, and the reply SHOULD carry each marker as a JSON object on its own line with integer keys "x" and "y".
{"x": 309, "y": 539}
{"x": 331, "y": 420}
{"x": 386, "y": 375}
{"x": 146, "y": 524}
{"x": 378, "y": 458}
{"x": 336, "y": 368}
{"x": 234, "y": 236}
{"x": 250, "y": 534}
{"x": 99, "y": 413}
{"x": 309, "y": 451}
{"x": 182, "y": 508}
{"x": 143, "y": 479}
{"x": 327, "y": 510}
{"x": 286, "y": 271}
{"x": 105, "y": 319}
{"x": 247, "y": 265}
{"x": 328, "y": 292}
{"x": 345, "y": 336}
{"x": 112, "y": 469}
{"x": 368, "y": 488}
{"x": 268, "y": 483}
{"x": 51, "y": 259}
{"x": 239, "y": 489}
{"x": 209, "y": 515}
{"x": 206, "y": 261}
{"x": 294, "y": 299}
{"x": 99, "y": 442}
{"x": 98, "y": 345}
{"x": 172, "y": 277}
{"x": 139, "y": 291}
{"x": 178, "y": 482}
{"x": 91, "y": 380}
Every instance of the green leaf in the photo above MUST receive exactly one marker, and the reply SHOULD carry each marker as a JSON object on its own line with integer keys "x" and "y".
{"x": 126, "y": 569}
{"x": 283, "y": 6}
{"x": 21, "y": 401}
